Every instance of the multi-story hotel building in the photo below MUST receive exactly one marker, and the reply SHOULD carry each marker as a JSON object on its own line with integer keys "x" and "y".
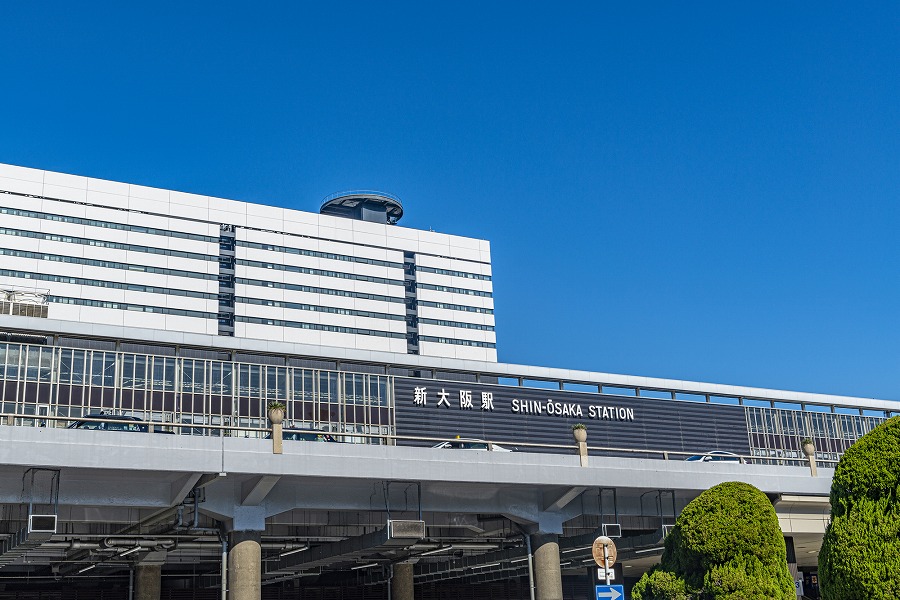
{"x": 120, "y": 254}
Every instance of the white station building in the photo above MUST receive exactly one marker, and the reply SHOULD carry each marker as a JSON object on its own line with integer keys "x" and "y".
{"x": 120, "y": 254}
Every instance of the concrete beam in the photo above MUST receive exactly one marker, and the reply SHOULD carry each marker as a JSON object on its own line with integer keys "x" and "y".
{"x": 182, "y": 487}
{"x": 254, "y": 491}
{"x": 554, "y": 501}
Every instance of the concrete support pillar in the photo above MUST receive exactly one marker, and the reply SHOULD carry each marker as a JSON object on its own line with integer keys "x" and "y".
{"x": 147, "y": 582}
{"x": 402, "y": 582}
{"x": 245, "y": 565}
{"x": 277, "y": 438}
{"x": 547, "y": 575}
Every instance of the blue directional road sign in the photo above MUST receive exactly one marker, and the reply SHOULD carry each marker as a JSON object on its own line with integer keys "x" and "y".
{"x": 610, "y": 592}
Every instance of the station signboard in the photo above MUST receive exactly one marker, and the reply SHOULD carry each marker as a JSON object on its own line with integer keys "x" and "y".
{"x": 500, "y": 413}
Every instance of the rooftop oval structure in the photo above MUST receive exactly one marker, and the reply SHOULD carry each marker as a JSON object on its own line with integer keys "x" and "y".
{"x": 364, "y": 205}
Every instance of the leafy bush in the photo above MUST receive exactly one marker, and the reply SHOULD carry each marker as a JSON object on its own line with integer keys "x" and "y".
{"x": 860, "y": 557}
{"x": 660, "y": 585}
{"x": 726, "y": 544}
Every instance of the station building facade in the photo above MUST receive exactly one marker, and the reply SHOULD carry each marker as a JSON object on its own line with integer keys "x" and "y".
{"x": 194, "y": 313}
{"x": 188, "y": 309}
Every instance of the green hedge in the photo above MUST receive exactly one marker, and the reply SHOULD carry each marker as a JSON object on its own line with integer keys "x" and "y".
{"x": 860, "y": 557}
{"x": 726, "y": 544}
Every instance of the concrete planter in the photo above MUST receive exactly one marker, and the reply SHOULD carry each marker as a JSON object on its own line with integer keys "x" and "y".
{"x": 276, "y": 416}
{"x": 580, "y": 434}
{"x": 809, "y": 449}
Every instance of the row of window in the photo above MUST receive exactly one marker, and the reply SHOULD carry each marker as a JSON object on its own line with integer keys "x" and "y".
{"x": 322, "y": 309}
{"x": 317, "y": 254}
{"x": 461, "y": 307}
{"x": 320, "y": 272}
{"x": 453, "y": 290}
{"x": 456, "y": 342}
{"x": 465, "y": 274}
{"x": 189, "y": 391}
{"x": 133, "y": 307}
{"x": 107, "y": 264}
{"x": 68, "y": 239}
{"x": 317, "y": 290}
{"x": 131, "y": 287}
{"x": 318, "y": 327}
{"x": 107, "y": 225}
{"x": 23, "y": 309}
{"x": 458, "y": 324}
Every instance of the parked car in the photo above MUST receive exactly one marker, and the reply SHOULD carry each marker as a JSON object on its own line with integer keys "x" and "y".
{"x": 717, "y": 456}
{"x": 122, "y": 423}
{"x": 470, "y": 444}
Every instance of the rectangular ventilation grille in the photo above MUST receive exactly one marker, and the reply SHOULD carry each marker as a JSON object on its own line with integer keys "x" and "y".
{"x": 406, "y": 529}
{"x": 42, "y": 524}
{"x": 612, "y": 530}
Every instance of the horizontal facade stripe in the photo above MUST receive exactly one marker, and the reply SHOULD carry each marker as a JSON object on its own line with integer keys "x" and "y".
{"x": 133, "y": 307}
{"x": 68, "y": 239}
{"x": 117, "y": 285}
{"x": 452, "y": 273}
{"x": 320, "y": 272}
{"x": 456, "y": 342}
{"x": 108, "y": 225}
{"x": 457, "y": 324}
{"x": 321, "y": 309}
{"x": 461, "y": 307}
{"x": 208, "y": 222}
{"x": 318, "y": 327}
{"x": 317, "y": 254}
{"x": 317, "y": 290}
{"x": 107, "y": 264}
{"x": 453, "y": 290}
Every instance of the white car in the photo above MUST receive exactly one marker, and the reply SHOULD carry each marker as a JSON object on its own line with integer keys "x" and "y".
{"x": 469, "y": 444}
{"x": 716, "y": 456}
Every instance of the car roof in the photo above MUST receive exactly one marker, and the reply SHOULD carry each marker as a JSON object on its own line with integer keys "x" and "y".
{"x": 110, "y": 417}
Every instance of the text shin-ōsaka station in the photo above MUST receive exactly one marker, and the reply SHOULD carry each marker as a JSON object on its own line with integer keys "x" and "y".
{"x": 144, "y": 334}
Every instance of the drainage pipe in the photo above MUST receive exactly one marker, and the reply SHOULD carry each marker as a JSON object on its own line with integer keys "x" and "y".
{"x": 224, "y": 539}
{"x": 530, "y": 566}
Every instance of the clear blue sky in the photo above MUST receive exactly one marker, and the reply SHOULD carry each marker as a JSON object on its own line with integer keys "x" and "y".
{"x": 698, "y": 190}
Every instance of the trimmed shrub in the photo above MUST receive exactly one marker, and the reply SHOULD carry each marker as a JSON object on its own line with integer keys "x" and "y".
{"x": 660, "y": 585}
{"x": 726, "y": 544}
{"x": 860, "y": 557}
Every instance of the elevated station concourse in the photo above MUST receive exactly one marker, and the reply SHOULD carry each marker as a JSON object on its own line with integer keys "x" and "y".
{"x": 145, "y": 335}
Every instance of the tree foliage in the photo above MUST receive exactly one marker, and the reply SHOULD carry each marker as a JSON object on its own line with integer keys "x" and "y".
{"x": 860, "y": 556}
{"x": 726, "y": 544}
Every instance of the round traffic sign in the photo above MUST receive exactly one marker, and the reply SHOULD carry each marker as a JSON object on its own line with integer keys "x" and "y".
{"x": 597, "y": 550}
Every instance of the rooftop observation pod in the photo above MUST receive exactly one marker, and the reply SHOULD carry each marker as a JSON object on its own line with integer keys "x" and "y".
{"x": 364, "y": 205}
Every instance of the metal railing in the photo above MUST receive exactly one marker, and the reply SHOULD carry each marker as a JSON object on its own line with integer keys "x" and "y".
{"x": 156, "y": 427}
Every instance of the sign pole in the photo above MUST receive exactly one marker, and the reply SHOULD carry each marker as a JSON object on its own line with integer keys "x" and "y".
{"x": 606, "y": 563}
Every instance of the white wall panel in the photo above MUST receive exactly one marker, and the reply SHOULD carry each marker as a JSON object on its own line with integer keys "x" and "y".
{"x": 32, "y": 265}
{"x": 64, "y": 193}
{"x": 190, "y": 324}
{"x": 19, "y": 186}
{"x": 64, "y": 312}
{"x": 24, "y": 173}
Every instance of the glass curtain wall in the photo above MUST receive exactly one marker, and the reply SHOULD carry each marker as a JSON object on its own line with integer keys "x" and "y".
{"x": 777, "y": 433}
{"x": 67, "y": 382}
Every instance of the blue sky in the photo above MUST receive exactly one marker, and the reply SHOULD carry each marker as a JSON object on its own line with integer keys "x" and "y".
{"x": 695, "y": 190}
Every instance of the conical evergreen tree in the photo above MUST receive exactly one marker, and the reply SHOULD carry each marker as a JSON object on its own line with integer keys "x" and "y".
{"x": 860, "y": 557}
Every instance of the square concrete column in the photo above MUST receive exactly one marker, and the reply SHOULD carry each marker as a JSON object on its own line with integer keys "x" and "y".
{"x": 402, "y": 587}
{"x": 547, "y": 574}
{"x": 245, "y": 565}
{"x": 147, "y": 582}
